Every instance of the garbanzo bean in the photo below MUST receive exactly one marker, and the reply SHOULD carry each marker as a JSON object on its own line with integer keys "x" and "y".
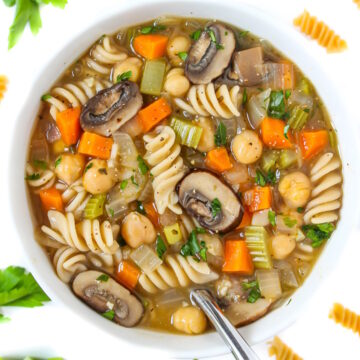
{"x": 132, "y": 64}
{"x": 247, "y": 147}
{"x": 176, "y": 45}
{"x": 69, "y": 167}
{"x": 176, "y": 83}
{"x": 282, "y": 245}
{"x": 190, "y": 320}
{"x": 97, "y": 179}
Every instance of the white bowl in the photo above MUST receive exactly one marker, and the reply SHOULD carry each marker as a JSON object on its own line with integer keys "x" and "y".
{"x": 246, "y": 17}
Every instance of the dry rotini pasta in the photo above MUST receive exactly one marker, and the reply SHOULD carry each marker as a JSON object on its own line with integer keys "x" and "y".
{"x": 177, "y": 271}
{"x": 321, "y": 32}
{"x": 326, "y": 194}
{"x": 282, "y": 351}
{"x": 167, "y": 167}
{"x": 345, "y": 317}
{"x": 204, "y": 100}
{"x": 39, "y": 179}
{"x": 84, "y": 236}
{"x": 3, "y": 85}
{"x": 357, "y": 2}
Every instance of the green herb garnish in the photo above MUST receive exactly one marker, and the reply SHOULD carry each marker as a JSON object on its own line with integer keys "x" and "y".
{"x": 160, "y": 247}
{"x": 254, "y": 293}
{"x": 286, "y": 130}
{"x": 220, "y": 46}
{"x": 142, "y": 165}
{"x": 132, "y": 178}
{"x": 215, "y": 207}
{"x": 196, "y": 34}
{"x": 110, "y": 314}
{"x": 140, "y": 207}
{"x": 123, "y": 184}
{"x": 289, "y": 222}
{"x": 262, "y": 180}
{"x": 276, "y": 107}
{"x": 300, "y": 209}
{"x": 272, "y": 217}
{"x": 88, "y": 166}
{"x": 193, "y": 248}
{"x": 124, "y": 76}
{"x": 58, "y": 161}
{"x": 243, "y": 33}
{"x": 220, "y": 135}
{"x": 46, "y": 97}
{"x": 103, "y": 278}
{"x": 35, "y": 176}
{"x": 111, "y": 212}
{"x": 182, "y": 55}
{"x": 244, "y": 98}
{"x": 4, "y": 319}
{"x": 318, "y": 233}
{"x": 152, "y": 29}
{"x": 40, "y": 164}
{"x": 287, "y": 94}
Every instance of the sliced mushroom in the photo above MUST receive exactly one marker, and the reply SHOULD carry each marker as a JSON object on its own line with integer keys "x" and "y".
{"x": 196, "y": 192}
{"x": 248, "y": 65}
{"x": 108, "y": 295}
{"x": 242, "y": 313}
{"x": 210, "y": 54}
{"x": 111, "y": 108}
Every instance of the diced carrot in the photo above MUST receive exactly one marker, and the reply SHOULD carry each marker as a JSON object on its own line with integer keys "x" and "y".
{"x": 237, "y": 258}
{"x": 218, "y": 159}
{"x": 95, "y": 145}
{"x": 258, "y": 198}
{"x": 272, "y": 131}
{"x": 68, "y": 122}
{"x": 246, "y": 219}
{"x": 151, "y": 46}
{"x": 151, "y": 213}
{"x": 153, "y": 114}
{"x": 127, "y": 274}
{"x": 51, "y": 199}
{"x": 312, "y": 142}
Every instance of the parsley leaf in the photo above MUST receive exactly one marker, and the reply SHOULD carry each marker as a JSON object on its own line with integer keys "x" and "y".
{"x": 254, "y": 293}
{"x": 124, "y": 76}
{"x": 4, "y": 319}
{"x": 160, "y": 247}
{"x": 244, "y": 98}
{"x": 196, "y": 34}
{"x": 220, "y": 135}
{"x": 40, "y": 164}
{"x": 289, "y": 222}
{"x": 286, "y": 130}
{"x": 132, "y": 178}
{"x": 193, "y": 248}
{"x": 46, "y": 97}
{"x": 182, "y": 55}
{"x": 276, "y": 107}
{"x": 88, "y": 167}
{"x": 300, "y": 209}
{"x": 152, "y": 29}
{"x": 142, "y": 165}
{"x": 140, "y": 207}
{"x": 243, "y": 33}
{"x": 287, "y": 94}
{"x": 123, "y": 184}
{"x": 272, "y": 217}
{"x": 35, "y": 176}
{"x": 260, "y": 178}
{"x": 9, "y": 3}
{"x": 215, "y": 207}
{"x": 110, "y": 314}
{"x": 103, "y": 278}
{"x": 58, "y": 161}
{"x": 318, "y": 233}
{"x": 111, "y": 212}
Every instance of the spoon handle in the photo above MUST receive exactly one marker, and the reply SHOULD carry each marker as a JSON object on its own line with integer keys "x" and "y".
{"x": 236, "y": 343}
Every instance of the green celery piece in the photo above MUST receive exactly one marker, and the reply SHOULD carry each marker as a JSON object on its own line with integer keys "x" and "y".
{"x": 95, "y": 206}
{"x": 287, "y": 158}
{"x": 269, "y": 159}
{"x": 173, "y": 233}
{"x": 187, "y": 133}
{"x": 332, "y": 139}
{"x": 153, "y": 77}
{"x": 298, "y": 118}
{"x": 257, "y": 241}
{"x": 304, "y": 86}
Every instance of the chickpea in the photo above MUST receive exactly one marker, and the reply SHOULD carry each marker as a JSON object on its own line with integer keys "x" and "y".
{"x": 282, "y": 245}
{"x": 97, "y": 179}
{"x": 132, "y": 64}
{"x": 207, "y": 141}
{"x": 295, "y": 189}
{"x": 137, "y": 229}
{"x": 176, "y": 83}
{"x": 176, "y": 45}
{"x": 213, "y": 244}
{"x": 190, "y": 320}
{"x": 69, "y": 167}
{"x": 247, "y": 147}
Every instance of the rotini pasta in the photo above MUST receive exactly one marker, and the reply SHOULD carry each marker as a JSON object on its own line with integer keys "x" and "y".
{"x": 163, "y": 155}
{"x": 3, "y": 85}
{"x": 84, "y": 236}
{"x": 39, "y": 180}
{"x": 357, "y": 2}
{"x": 204, "y": 100}
{"x": 177, "y": 271}
{"x": 282, "y": 351}
{"x": 105, "y": 261}
{"x": 326, "y": 194}
{"x": 321, "y": 32}
{"x": 303, "y": 252}
{"x": 345, "y": 317}
{"x": 104, "y": 54}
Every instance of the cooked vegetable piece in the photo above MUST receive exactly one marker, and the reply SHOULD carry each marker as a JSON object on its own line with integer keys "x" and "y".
{"x": 220, "y": 135}
{"x": 188, "y": 133}
{"x": 269, "y": 283}
{"x": 51, "y": 199}
{"x": 276, "y": 107}
{"x": 95, "y": 145}
{"x": 257, "y": 107}
{"x": 272, "y": 131}
{"x": 95, "y": 206}
{"x": 145, "y": 258}
{"x": 153, "y": 114}
{"x": 269, "y": 160}
{"x": 298, "y": 118}
{"x": 127, "y": 274}
{"x": 218, "y": 160}
{"x": 258, "y": 198}
{"x": 160, "y": 247}
{"x": 312, "y": 142}
{"x": 246, "y": 219}
{"x": 151, "y": 213}
{"x": 257, "y": 241}
{"x": 68, "y": 122}
{"x": 153, "y": 77}
{"x": 304, "y": 86}
{"x": 150, "y": 46}
{"x": 287, "y": 158}
{"x": 173, "y": 233}
{"x": 237, "y": 258}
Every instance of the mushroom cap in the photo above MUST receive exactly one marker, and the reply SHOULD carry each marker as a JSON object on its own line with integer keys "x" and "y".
{"x": 111, "y": 108}
{"x": 196, "y": 192}
{"x": 207, "y": 59}
{"x": 108, "y": 295}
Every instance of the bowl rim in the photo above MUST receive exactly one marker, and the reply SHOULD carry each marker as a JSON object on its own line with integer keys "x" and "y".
{"x": 210, "y": 343}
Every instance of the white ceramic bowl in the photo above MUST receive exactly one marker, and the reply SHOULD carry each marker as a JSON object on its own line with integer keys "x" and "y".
{"x": 281, "y": 36}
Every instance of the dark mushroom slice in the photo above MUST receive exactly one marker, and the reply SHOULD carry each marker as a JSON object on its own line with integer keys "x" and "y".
{"x": 248, "y": 65}
{"x": 108, "y": 295}
{"x": 210, "y": 55}
{"x": 111, "y": 108}
{"x": 196, "y": 192}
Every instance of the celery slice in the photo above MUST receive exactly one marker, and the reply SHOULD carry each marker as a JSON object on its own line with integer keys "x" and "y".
{"x": 95, "y": 206}
{"x": 257, "y": 241}
{"x": 304, "y": 86}
{"x": 269, "y": 159}
{"x": 332, "y": 139}
{"x": 187, "y": 133}
{"x": 287, "y": 158}
{"x": 173, "y": 233}
{"x": 153, "y": 77}
{"x": 298, "y": 118}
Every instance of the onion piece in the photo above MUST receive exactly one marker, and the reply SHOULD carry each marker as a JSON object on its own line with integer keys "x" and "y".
{"x": 170, "y": 297}
{"x": 287, "y": 275}
{"x": 257, "y": 107}
{"x": 269, "y": 283}
{"x": 299, "y": 97}
{"x": 145, "y": 258}
{"x": 260, "y": 218}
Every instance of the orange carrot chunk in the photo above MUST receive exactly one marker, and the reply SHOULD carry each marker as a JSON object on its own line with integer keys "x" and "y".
{"x": 237, "y": 258}
{"x": 312, "y": 142}
{"x": 150, "y": 46}
{"x": 153, "y": 114}
{"x": 51, "y": 199}
{"x": 95, "y": 145}
{"x": 272, "y": 131}
{"x": 151, "y": 213}
{"x": 246, "y": 219}
{"x": 258, "y": 198}
{"x": 127, "y": 274}
{"x": 68, "y": 122}
{"x": 218, "y": 159}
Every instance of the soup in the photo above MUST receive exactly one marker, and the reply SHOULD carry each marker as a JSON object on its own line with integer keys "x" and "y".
{"x": 183, "y": 153}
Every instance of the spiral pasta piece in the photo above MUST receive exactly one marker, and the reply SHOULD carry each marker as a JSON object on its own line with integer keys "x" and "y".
{"x": 167, "y": 167}
{"x": 104, "y": 54}
{"x": 74, "y": 94}
{"x": 88, "y": 235}
{"x": 357, "y": 2}
{"x": 325, "y": 196}
{"x": 303, "y": 252}
{"x": 107, "y": 262}
{"x": 3, "y": 85}
{"x": 41, "y": 180}
{"x": 345, "y": 317}
{"x": 282, "y": 351}
{"x": 204, "y": 100}
{"x": 321, "y": 32}
{"x": 177, "y": 271}
{"x": 68, "y": 262}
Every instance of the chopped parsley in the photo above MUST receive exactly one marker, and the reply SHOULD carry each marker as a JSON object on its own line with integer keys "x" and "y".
{"x": 182, "y": 55}
{"x": 220, "y": 135}
{"x": 132, "y": 178}
{"x": 200, "y": 230}
{"x": 160, "y": 247}
{"x": 124, "y": 76}
{"x": 287, "y": 94}
{"x": 110, "y": 314}
{"x": 140, "y": 207}
{"x": 89, "y": 166}
{"x": 40, "y": 164}
{"x": 152, "y": 29}
{"x": 123, "y": 184}
{"x": 58, "y": 161}
{"x": 220, "y": 47}
{"x": 276, "y": 107}
{"x": 290, "y": 223}
{"x": 262, "y": 180}
{"x": 142, "y": 165}
{"x": 103, "y": 278}
{"x": 215, "y": 207}
{"x": 196, "y": 34}
{"x": 35, "y": 176}
{"x": 300, "y": 209}
{"x": 213, "y": 39}
{"x": 111, "y": 212}
{"x": 272, "y": 217}
{"x": 46, "y": 97}
{"x": 243, "y": 33}
{"x": 4, "y": 319}
{"x": 307, "y": 110}
{"x": 121, "y": 241}
{"x": 254, "y": 293}
{"x": 193, "y": 248}
{"x": 244, "y": 98}
{"x": 318, "y": 233}
{"x": 286, "y": 130}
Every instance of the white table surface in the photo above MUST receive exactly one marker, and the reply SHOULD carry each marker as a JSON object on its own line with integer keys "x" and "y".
{"x": 51, "y": 330}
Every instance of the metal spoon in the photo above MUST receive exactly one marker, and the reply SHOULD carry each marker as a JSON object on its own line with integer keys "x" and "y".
{"x": 236, "y": 343}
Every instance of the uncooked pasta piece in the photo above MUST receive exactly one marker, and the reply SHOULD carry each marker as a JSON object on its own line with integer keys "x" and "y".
{"x": 282, "y": 351}
{"x": 345, "y": 317}
{"x": 3, "y": 85}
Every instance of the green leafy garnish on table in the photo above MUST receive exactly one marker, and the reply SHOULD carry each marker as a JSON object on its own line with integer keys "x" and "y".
{"x": 4, "y": 319}
{"x": 27, "y": 11}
